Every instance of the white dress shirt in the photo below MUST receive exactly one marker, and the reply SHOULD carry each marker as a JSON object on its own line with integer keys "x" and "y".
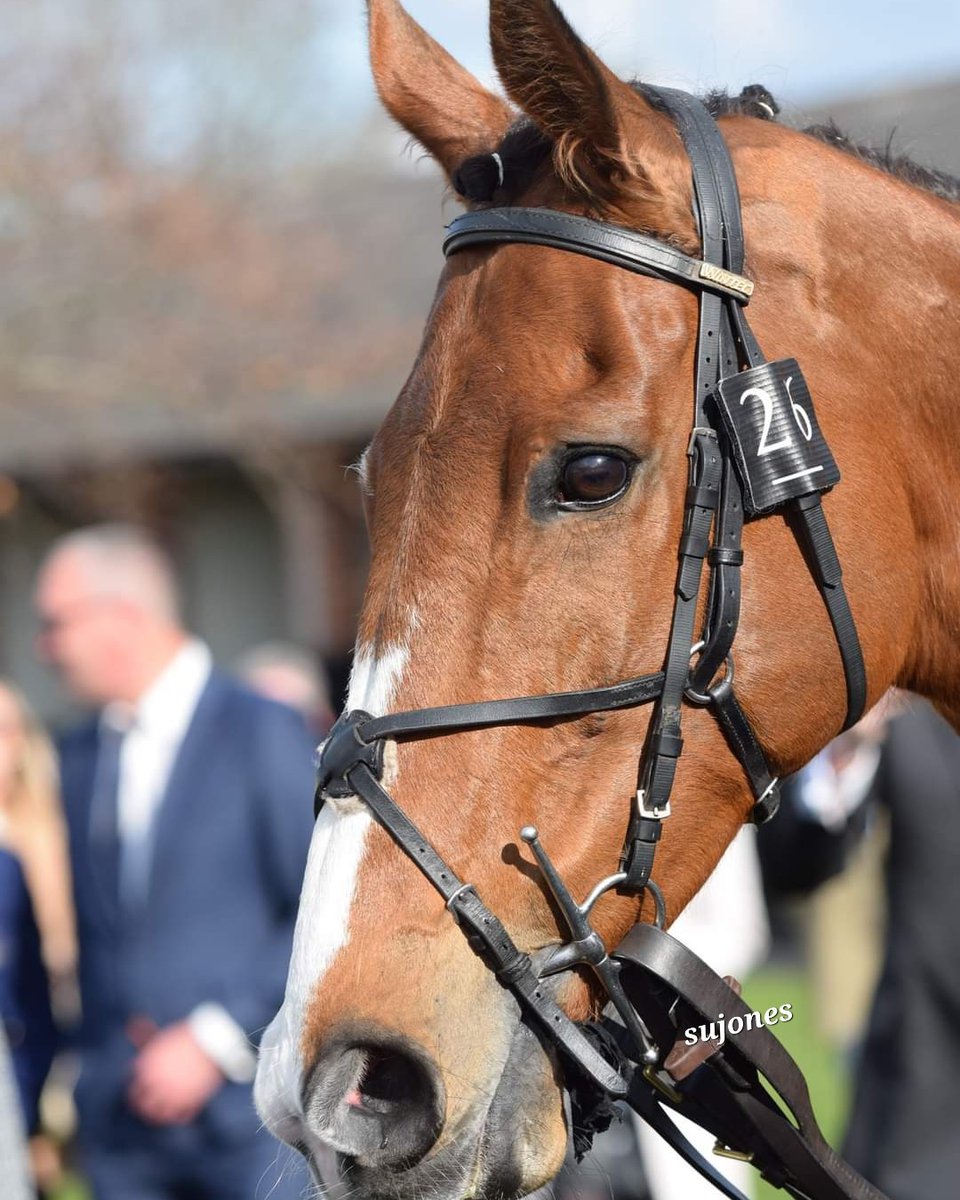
{"x": 829, "y": 794}
{"x": 153, "y": 732}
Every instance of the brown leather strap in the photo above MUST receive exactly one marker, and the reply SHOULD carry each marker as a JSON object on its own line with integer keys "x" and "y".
{"x": 725, "y": 1094}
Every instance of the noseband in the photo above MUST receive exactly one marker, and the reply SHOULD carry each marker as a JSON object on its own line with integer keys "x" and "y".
{"x": 755, "y": 448}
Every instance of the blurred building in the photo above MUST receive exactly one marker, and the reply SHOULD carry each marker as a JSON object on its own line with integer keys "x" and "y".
{"x": 207, "y": 350}
{"x": 921, "y": 121}
{"x": 210, "y": 368}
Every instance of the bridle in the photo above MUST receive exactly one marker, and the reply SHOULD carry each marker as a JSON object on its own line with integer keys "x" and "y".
{"x": 755, "y": 448}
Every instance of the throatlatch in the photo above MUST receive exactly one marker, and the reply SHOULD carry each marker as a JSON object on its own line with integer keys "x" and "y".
{"x": 755, "y": 448}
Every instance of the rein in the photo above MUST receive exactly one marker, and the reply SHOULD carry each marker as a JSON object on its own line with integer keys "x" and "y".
{"x": 755, "y": 448}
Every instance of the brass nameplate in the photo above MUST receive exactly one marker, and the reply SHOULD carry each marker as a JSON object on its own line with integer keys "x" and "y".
{"x": 727, "y": 279}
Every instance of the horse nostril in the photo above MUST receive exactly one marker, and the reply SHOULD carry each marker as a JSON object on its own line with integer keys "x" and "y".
{"x": 387, "y": 1081}
{"x": 379, "y": 1102}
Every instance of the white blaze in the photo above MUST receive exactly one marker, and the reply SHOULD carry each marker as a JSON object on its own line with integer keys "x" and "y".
{"x": 323, "y": 922}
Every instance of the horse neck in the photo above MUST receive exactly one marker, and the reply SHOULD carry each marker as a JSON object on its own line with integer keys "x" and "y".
{"x": 903, "y": 266}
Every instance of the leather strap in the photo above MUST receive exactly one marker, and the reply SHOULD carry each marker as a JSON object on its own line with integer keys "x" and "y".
{"x": 815, "y": 539}
{"x": 658, "y": 764}
{"x": 612, "y": 244}
{"x": 743, "y": 742}
{"x": 718, "y": 203}
{"x": 486, "y": 933}
{"x": 452, "y": 717}
{"x": 735, "y": 1104}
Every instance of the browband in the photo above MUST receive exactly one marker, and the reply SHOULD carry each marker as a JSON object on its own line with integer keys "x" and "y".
{"x": 609, "y": 243}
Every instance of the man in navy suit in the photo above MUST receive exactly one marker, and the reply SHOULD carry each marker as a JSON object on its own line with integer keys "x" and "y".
{"x": 188, "y": 806}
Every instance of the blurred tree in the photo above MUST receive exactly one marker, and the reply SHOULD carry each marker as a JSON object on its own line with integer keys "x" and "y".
{"x": 185, "y": 238}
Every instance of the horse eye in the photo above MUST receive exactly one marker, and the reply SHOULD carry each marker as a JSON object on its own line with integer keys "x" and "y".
{"x": 593, "y": 478}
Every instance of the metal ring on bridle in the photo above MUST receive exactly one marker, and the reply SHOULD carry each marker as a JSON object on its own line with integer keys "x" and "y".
{"x": 718, "y": 689}
{"x": 660, "y": 905}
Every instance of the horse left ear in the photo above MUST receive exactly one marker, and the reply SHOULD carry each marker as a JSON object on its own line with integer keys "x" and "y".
{"x": 605, "y": 134}
{"x": 431, "y": 95}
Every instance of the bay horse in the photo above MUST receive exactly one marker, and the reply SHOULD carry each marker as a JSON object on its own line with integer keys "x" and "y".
{"x": 524, "y": 499}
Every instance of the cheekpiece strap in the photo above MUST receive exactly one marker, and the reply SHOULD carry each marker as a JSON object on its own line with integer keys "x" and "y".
{"x": 485, "y": 932}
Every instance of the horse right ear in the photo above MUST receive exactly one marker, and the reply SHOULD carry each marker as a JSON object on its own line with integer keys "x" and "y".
{"x": 609, "y": 142}
{"x": 429, "y": 93}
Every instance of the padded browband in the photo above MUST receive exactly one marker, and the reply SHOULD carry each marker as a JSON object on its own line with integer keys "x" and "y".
{"x": 609, "y": 243}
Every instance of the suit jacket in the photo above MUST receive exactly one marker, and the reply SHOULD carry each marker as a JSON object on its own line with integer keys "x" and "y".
{"x": 904, "y": 1133}
{"x": 24, "y": 988}
{"x": 797, "y": 853}
{"x": 229, "y": 848}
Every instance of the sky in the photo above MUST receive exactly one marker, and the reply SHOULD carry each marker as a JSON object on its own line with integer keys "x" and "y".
{"x": 802, "y": 50}
{"x": 294, "y": 74}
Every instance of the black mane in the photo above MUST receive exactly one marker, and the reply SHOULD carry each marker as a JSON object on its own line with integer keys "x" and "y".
{"x": 524, "y": 148}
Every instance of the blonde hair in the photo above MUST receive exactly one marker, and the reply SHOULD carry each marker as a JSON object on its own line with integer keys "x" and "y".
{"x": 35, "y": 831}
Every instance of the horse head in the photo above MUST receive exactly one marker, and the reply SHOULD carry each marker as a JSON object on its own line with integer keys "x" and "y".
{"x": 524, "y": 498}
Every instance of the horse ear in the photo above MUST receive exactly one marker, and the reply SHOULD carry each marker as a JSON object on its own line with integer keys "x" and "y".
{"x": 429, "y": 93}
{"x": 604, "y": 132}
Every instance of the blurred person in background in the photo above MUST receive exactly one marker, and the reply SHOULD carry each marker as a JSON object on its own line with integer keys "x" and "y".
{"x": 37, "y": 939}
{"x": 290, "y": 675}
{"x": 189, "y": 815}
{"x": 904, "y": 1131}
{"x": 827, "y": 845}
{"x": 32, "y": 827}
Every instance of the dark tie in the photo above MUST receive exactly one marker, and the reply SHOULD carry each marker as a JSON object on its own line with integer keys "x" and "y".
{"x": 104, "y": 835}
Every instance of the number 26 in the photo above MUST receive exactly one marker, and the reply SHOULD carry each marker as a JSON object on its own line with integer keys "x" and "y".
{"x": 799, "y": 415}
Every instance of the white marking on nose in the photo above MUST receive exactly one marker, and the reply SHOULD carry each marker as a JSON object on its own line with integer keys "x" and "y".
{"x": 374, "y": 680}
{"x": 326, "y": 901}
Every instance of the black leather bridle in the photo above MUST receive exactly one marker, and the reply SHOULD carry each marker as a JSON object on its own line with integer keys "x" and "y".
{"x": 755, "y": 448}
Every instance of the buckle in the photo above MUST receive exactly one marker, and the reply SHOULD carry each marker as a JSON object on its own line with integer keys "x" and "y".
{"x": 699, "y": 431}
{"x": 655, "y": 1077}
{"x": 722, "y": 1151}
{"x": 451, "y": 903}
{"x": 659, "y": 812}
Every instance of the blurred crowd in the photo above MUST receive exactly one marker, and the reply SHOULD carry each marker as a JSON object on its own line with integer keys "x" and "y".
{"x": 854, "y": 888}
{"x": 150, "y": 868}
{"x": 150, "y": 864}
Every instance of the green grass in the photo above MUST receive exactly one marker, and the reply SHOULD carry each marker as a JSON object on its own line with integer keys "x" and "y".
{"x": 73, "y": 1189}
{"x": 828, "y": 1082}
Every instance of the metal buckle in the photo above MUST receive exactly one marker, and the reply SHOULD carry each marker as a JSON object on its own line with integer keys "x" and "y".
{"x": 652, "y": 1076}
{"x": 656, "y": 813}
{"x": 466, "y": 887}
{"x": 722, "y": 1151}
{"x": 700, "y": 431}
